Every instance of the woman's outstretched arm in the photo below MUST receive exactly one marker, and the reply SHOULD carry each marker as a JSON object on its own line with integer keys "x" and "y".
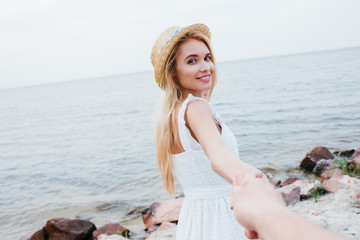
{"x": 223, "y": 162}
{"x": 261, "y": 210}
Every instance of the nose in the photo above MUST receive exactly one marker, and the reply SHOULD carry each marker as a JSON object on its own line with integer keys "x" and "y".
{"x": 205, "y": 66}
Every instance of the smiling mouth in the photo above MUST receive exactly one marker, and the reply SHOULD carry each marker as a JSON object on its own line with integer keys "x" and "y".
{"x": 204, "y": 77}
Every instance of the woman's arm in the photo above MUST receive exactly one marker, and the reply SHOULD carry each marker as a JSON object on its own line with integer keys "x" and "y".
{"x": 262, "y": 211}
{"x": 223, "y": 162}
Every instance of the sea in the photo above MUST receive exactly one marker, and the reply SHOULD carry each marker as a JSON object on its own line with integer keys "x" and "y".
{"x": 85, "y": 148}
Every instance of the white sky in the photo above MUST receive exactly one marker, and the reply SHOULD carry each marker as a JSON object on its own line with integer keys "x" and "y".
{"x": 45, "y": 41}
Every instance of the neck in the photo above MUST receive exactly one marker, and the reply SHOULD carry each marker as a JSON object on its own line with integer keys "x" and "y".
{"x": 204, "y": 95}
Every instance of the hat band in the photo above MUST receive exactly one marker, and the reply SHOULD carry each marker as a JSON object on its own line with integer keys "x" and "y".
{"x": 176, "y": 32}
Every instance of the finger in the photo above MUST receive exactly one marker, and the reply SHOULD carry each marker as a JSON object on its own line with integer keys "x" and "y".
{"x": 234, "y": 191}
{"x": 248, "y": 234}
{"x": 256, "y": 236}
{"x": 251, "y": 234}
{"x": 259, "y": 175}
{"x": 236, "y": 185}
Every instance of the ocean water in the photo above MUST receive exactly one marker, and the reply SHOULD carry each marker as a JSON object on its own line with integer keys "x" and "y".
{"x": 85, "y": 149}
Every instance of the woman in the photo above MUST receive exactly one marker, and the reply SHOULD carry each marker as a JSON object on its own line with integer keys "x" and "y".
{"x": 191, "y": 139}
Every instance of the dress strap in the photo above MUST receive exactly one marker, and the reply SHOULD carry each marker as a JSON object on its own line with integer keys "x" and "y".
{"x": 187, "y": 141}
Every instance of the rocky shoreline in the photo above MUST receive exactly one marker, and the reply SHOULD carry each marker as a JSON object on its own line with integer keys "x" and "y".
{"x": 326, "y": 191}
{"x": 338, "y": 212}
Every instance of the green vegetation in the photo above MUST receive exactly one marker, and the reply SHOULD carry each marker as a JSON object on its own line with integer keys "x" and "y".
{"x": 316, "y": 193}
{"x": 348, "y": 169}
{"x": 126, "y": 233}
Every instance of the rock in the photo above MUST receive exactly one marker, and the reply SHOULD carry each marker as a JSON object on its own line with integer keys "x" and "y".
{"x": 357, "y": 193}
{"x": 331, "y": 173}
{"x": 347, "y": 180}
{"x": 323, "y": 165}
{"x": 153, "y": 228}
{"x": 39, "y": 235}
{"x": 276, "y": 183}
{"x": 313, "y": 156}
{"x": 68, "y": 229}
{"x": 300, "y": 189}
{"x": 338, "y": 182}
{"x": 163, "y": 211}
{"x": 288, "y": 181}
{"x": 308, "y": 164}
{"x": 331, "y": 185}
{"x": 111, "y": 237}
{"x": 291, "y": 196}
{"x": 131, "y": 212}
{"x": 166, "y": 231}
{"x": 347, "y": 153}
{"x": 111, "y": 228}
{"x": 356, "y": 153}
{"x": 355, "y": 161}
{"x": 307, "y": 187}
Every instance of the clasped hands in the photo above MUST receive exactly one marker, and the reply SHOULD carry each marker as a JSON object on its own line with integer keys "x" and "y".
{"x": 252, "y": 196}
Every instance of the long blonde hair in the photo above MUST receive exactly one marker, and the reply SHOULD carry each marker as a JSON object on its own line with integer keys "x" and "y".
{"x": 173, "y": 93}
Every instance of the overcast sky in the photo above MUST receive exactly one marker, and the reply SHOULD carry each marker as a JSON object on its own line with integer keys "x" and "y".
{"x": 45, "y": 41}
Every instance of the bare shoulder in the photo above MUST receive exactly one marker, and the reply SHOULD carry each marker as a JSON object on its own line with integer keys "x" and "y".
{"x": 200, "y": 121}
{"x": 198, "y": 109}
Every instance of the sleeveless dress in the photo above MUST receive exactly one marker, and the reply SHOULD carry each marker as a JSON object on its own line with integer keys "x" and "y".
{"x": 205, "y": 213}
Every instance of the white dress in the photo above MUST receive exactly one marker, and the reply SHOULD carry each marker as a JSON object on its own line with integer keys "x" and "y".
{"x": 205, "y": 213}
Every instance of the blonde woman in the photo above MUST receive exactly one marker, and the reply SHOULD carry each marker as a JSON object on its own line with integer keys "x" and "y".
{"x": 192, "y": 141}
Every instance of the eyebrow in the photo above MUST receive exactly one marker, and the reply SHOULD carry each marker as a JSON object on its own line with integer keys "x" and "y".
{"x": 194, "y": 55}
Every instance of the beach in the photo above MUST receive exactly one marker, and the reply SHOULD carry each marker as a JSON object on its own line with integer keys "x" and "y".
{"x": 330, "y": 199}
{"x": 85, "y": 149}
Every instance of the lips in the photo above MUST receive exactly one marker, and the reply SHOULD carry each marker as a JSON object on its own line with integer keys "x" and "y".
{"x": 204, "y": 78}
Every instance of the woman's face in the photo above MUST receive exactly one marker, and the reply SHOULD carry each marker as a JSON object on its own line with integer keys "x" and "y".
{"x": 194, "y": 67}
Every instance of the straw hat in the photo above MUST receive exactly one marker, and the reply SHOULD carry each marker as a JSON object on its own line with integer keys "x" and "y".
{"x": 166, "y": 42}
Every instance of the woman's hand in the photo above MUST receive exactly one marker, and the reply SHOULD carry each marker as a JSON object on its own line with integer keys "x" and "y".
{"x": 252, "y": 196}
{"x": 248, "y": 172}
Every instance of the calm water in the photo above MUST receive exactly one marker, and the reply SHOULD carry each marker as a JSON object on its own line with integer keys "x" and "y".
{"x": 85, "y": 148}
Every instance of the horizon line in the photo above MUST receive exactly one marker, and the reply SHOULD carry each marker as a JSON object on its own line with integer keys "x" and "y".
{"x": 148, "y": 70}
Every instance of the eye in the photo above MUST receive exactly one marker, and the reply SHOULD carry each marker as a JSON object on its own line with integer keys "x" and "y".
{"x": 191, "y": 61}
{"x": 207, "y": 58}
